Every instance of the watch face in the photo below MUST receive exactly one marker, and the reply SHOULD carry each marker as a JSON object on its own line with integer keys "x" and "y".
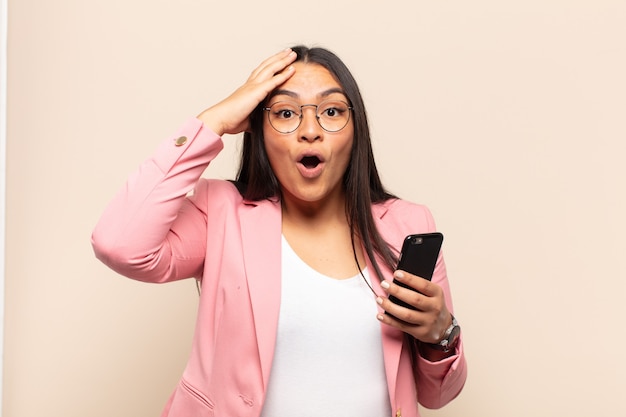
{"x": 454, "y": 337}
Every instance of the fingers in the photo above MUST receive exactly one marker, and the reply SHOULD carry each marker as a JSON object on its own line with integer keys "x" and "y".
{"x": 231, "y": 114}
{"x": 392, "y": 320}
{"x": 272, "y": 72}
{"x": 273, "y": 65}
{"x": 424, "y": 322}
{"x": 418, "y": 315}
{"x": 417, "y": 292}
{"x": 421, "y": 285}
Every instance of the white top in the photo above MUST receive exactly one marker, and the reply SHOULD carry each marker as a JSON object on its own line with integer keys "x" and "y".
{"x": 329, "y": 357}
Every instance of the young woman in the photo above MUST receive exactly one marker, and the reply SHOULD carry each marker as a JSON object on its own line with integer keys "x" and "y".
{"x": 296, "y": 257}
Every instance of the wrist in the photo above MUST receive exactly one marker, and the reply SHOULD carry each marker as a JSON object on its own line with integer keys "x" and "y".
{"x": 450, "y": 338}
{"x": 211, "y": 121}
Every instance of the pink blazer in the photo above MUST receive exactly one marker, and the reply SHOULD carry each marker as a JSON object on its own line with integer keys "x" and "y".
{"x": 154, "y": 230}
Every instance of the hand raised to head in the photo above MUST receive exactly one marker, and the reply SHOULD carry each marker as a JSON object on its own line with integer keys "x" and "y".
{"x": 231, "y": 115}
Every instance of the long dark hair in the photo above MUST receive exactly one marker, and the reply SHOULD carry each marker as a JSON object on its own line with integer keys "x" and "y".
{"x": 361, "y": 180}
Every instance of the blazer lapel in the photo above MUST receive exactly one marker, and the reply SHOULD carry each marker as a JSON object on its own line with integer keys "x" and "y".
{"x": 392, "y": 338}
{"x": 261, "y": 242}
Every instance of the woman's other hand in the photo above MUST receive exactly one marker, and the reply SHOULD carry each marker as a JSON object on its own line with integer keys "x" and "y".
{"x": 430, "y": 319}
{"x": 231, "y": 115}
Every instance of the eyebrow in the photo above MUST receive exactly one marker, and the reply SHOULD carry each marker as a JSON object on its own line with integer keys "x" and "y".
{"x": 323, "y": 94}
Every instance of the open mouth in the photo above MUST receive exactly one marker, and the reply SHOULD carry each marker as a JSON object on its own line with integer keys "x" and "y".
{"x": 310, "y": 161}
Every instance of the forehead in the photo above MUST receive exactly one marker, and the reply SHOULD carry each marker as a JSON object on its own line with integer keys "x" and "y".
{"x": 310, "y": 81}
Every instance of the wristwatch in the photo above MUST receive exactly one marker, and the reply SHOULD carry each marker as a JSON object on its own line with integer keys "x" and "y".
{"x": 450, "y": 338}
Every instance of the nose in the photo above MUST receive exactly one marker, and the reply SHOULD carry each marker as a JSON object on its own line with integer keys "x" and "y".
{"x": 310, "y": 129}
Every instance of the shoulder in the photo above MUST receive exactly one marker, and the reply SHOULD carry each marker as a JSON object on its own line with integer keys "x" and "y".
{"x": 403, "y": 217}
{"x": 213, "y": 187}
{"x": 223, "y": 193}
{"x": 397, "y": 207}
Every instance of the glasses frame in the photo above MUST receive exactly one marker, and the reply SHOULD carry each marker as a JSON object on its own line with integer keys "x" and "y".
{"x": 301, "y": 116}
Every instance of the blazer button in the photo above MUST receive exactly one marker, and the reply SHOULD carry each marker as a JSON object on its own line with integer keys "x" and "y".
{"x": 399, "y": 412}
{"x": 180, "y": 141}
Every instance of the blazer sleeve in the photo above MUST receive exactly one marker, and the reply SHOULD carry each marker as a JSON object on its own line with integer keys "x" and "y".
{"x": 440, "y": 382}
{"x": 151, "y": 230}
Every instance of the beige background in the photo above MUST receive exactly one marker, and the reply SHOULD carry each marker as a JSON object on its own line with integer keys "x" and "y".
{"x": 506, "y": 118}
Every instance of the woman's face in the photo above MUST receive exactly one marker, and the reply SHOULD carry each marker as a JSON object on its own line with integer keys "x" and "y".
{"x": 309, "y": 162}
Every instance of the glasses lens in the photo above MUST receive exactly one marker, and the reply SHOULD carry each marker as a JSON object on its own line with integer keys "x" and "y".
{"x": 284, "y": 116}
{"x": 333, "y": 115}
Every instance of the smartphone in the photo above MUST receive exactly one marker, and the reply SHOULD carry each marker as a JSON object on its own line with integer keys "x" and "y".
{"x": 418, "y": 256}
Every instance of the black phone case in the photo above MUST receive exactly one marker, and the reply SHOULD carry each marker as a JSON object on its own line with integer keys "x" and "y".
{"x": 419, "y": 257}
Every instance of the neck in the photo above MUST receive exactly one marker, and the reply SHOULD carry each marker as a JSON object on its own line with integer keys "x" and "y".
{"x": 320, "y": 234}
{"x": 328, "y": 212}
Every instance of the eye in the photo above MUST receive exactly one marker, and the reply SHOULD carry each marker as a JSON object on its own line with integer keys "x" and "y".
{"x": 284, "y": 111}
{"x": 333, "y": 110}
{"x": 284, "y": 114}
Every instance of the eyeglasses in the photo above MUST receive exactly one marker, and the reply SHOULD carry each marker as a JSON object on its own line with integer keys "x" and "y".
{"x": 286, "y": 116}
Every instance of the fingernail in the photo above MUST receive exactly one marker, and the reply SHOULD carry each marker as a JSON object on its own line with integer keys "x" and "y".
{"x": 384, "y": 284}
{"x": 380, "y": 317}
{"x": 398, "y": 274}
{"x": 379, "y": 300}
